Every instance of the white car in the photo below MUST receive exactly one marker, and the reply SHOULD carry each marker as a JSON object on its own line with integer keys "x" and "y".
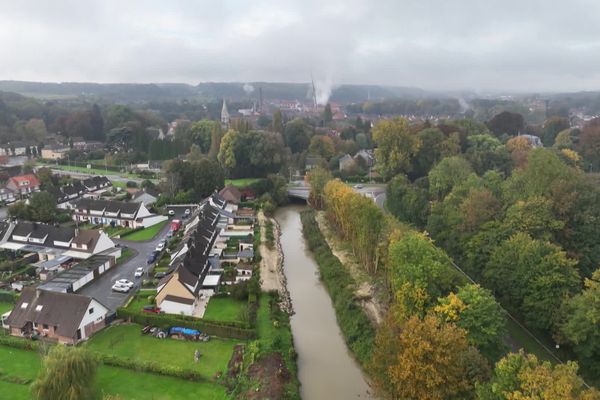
{"x": 120, "y": 288}
{"x": 124, "y": 282}
{"x": 171, "y": 212}
{"x": 160, "y": 246}
{"x": 359, "y": 186}
{"x": 139, "y": 272}
{"x": 187, "y": 211}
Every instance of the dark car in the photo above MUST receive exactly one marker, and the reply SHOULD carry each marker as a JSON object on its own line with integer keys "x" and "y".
{"x": 160, "y": 275}
{"x": 153, "y": 256}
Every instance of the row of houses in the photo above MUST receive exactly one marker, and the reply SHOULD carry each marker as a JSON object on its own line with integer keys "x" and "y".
{"x": 19, "y": 187}
{"x": 196, "y": 271}
{"x": 90, "y": 187}
{"x": 116, "y": 213}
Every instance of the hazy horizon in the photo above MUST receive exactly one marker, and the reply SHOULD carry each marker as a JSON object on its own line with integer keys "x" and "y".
{"x": 434, "y": 45}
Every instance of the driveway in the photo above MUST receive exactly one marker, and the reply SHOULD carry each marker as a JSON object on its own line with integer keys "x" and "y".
{"x": 100, "y": 289}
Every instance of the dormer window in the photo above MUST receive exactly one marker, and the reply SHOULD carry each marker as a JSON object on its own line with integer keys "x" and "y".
{"x": 24, "y": 305}
{"x": 39, "y": 307}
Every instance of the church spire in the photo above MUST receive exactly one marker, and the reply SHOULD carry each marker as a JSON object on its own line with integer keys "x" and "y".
{"x": 224, "y": 116}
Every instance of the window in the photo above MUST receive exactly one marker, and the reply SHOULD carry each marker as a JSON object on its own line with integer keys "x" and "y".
{"x": 24, "y": 305}
{"x": 91, "y": 310}
{"x": 39, "y": 307}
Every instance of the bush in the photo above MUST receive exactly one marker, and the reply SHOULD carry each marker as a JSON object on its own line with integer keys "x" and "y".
{"x": 131, "y": 184}
{"x": 150, "y": 366}
{"x": 8, "y": 297}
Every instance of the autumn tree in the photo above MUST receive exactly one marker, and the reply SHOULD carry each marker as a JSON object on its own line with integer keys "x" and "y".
{"x": 407, "y": 202}
{"x": 552, "y": 127}
{"x": 68, "y": 373}
{"x": 396, "y": 146}
{"x": 296, "y": 135}
{"x": 506, "y": 122}
{"x": 422, "y": 359}
{"x": 322, "y": 146}
{"x": 446, "y": 174}
{"x": 317, "y": 179}
{"x": 589, "y": 143}
{"x": 475, "y": 309}
{"x": 522, "y": 377}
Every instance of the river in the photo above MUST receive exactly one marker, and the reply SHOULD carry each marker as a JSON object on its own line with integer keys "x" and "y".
{"x": 326, "y": 368}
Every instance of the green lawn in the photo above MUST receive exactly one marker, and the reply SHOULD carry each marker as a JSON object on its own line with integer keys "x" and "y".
{"x": 224, "y": 309}
{"x": 242, "y": 182}
{"x": 4, "y": 307}
{"x": 127, "y": 341}
{"x": 126, "y": 253}
{"x": 139, "y": 301}
{"x": 128, "y": 384}
{"x": 146, "y": 233}
{"x": 116, "y": 230}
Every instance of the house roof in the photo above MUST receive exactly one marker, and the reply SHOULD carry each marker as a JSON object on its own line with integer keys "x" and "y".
{"x": 177, "y": 299}
{"x": 108, "y": 206}
{"x": 27, "y": 180}
{"x": 231, "y": 194}
{"x": 63, "y": 310}
{"x": 87, "y": 236}
{"x": 39, "y": 231}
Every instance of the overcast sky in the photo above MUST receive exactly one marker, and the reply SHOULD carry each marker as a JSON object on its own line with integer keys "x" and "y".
{"x": 445, "y": 44}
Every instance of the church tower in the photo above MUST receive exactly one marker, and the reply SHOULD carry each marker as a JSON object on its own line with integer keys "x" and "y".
{"x": 224, "y": 116}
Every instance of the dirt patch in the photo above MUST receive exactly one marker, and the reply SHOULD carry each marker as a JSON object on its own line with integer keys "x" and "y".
{"x": 234, "y": 367}
{"x": 270, "y": 376}
{"x": 365, "y": 290}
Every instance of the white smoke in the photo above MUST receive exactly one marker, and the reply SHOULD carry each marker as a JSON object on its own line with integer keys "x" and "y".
{"x": 248, "y": 88}
{"x": 323, "y": 89}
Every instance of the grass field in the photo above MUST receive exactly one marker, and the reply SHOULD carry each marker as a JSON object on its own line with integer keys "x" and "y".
{"x": 146, "y": 233}
{"x": 116, "y": 230}
{"x": 4, "y": 307}
{"x": 224, "y": 309}
{"x": 126, "y": 253}
{"x": 127, "y": 341}
{"x": 242, "y": 182}
{"x": 128, "y": 384}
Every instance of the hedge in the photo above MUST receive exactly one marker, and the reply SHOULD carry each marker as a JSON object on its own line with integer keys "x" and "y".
{"x": 8, "y": 297}
{"x": 215, "y": 328}
{"x": 354, "y": 323}
{"x": 139, "y": 228}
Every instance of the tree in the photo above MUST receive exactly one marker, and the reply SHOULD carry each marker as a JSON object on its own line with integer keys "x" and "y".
{"x": 317, "y": 179}
{"x": 521, "y": 377}
{"x": 589, "y": 143}
{"x": 407, "y": 202}
{"x": 68, "y": 373}
{"x": 297, "y": 135}
{"x": 475, "y": 309}
{"x": 564, "y": 139}
{"x": 416, "y": 260}
{"x": 421, "y": 359}
{"x": 579, "y": 324}
{"x": 532, "y": 276}
{"x": 506, "y": 123}
{"x": 430, "y": 151}
{"x": 396, "y": 146}
{"x": 277, "y": 125}
{"x": 446, "y": 174}
{"x": 552, "y": 127}
{"x": 42, "y": 206}
{"x": 201, "y": 132}
{"x": 322, "y": 146}
{"x": 19, "y": 210}
{"x": 252, "y": 154}
{"x": 485, "y": 152}
{"x": 327, "y": 114}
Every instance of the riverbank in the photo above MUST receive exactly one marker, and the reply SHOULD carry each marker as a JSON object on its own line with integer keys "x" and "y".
{"x": 272, "y": 276}
{"x": 365, "y": 291}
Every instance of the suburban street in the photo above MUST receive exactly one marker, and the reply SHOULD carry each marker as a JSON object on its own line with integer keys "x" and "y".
{"x": 100, "y": 289}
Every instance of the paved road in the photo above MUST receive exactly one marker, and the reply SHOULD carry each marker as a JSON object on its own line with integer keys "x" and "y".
{"x": 100, "y": 289}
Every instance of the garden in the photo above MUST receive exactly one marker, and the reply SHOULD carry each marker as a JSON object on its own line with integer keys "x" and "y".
{"x": 146, "y": 233}
{"x": 128, "y": 384}
{"x": 126, "y": 341}
{"x": 227, "y": 309}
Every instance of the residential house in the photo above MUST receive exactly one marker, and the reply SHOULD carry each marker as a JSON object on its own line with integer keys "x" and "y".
{"x": 66, "y": 318}
{"x": 231, "y": 194}
{"x": 243, "y": 272}
{"x": 7, "y": 195}
{"x": 95, "y": 183}
{"x": 346, "y": 162}
{"x": 23, "y": 185}
{"x": 91, "y": 188}
{"x": 192, "y": 279}
{"x": 78, "y": 143}
{"x": 54, "y": 152}
{"x": 116, "y": 213}
{"x": 14, "y": 149}
{"x": 146, "y": 196}
{"x": 313, "y": 162}
{"x": 367, "y": 156}
{"x": 50, "y": 241}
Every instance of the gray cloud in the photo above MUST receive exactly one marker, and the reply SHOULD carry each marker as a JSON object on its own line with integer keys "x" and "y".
{"x": 434, "y": 44}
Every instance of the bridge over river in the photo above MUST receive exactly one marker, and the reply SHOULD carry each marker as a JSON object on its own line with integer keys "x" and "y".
{"x": 373, "y": 191}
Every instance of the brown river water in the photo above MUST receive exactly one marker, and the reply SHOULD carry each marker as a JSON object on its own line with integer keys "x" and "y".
{"x": 326, "y": 369}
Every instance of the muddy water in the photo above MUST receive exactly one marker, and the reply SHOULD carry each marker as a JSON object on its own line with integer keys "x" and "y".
{"x": 326, "y": 369}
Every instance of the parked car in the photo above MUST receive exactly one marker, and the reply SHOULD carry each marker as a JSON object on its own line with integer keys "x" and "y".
{"x": 139, "y": 272}
{"x": 160, "y": 246}
{"x": 120, "y": 288}
{"x": 124, "y": 282}
{"x": 152, "y": 257}
{"x": 359, "y": 186}
{"x": 151, "y": 309}
{"x": 160, "y": 275}
{"x": 187, "y": 212}
{"x": 171, "y": 212}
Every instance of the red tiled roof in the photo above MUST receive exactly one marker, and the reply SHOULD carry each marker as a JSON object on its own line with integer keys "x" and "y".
{"x": 28, "y": 180}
